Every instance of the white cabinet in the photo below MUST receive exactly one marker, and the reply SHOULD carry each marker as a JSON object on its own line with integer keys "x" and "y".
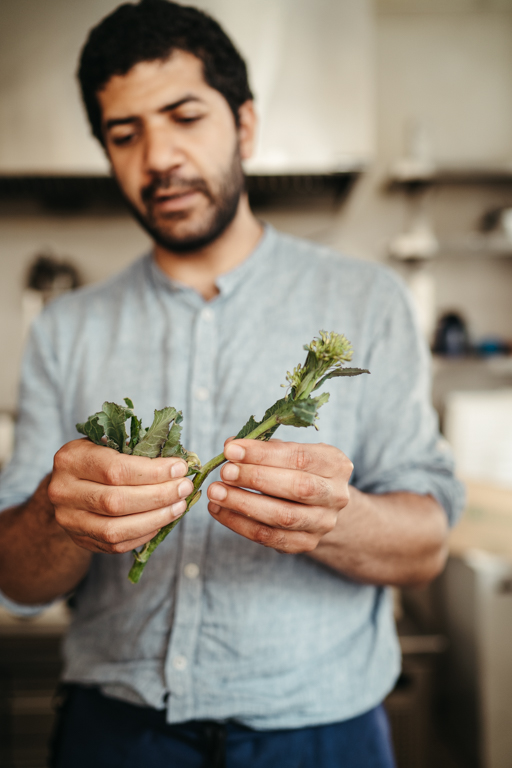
{"x": 477, "y": 597}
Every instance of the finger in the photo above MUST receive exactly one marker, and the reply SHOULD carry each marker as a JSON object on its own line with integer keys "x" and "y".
{"x": 289, "y": 542}
{"x": 302, "y": 487}
{"x": 87, "y": 461}
{"x": 125, "y": 546}
{"x": 318, "y": 459}
{"x": 113, "y": 531}
{"x": 118, "y": 501}
{"x": 272, "y": 512}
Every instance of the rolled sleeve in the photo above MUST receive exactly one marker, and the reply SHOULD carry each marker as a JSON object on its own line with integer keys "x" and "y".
{"x": 38, "y": 436}
{"x": 400, "y": 447}
{"x": 39, "y": 433}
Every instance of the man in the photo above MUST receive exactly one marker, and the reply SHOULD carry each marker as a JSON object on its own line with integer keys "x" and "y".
{"x": 261, "y": 634}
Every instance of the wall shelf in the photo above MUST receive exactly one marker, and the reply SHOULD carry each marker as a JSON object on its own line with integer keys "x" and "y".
{"x": 78, "y": 193}
{"x": 408, "y": 178}
{"x": 475, "y": 245}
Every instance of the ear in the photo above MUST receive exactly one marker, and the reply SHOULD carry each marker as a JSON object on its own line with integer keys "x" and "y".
{"x": 248, "y": 123}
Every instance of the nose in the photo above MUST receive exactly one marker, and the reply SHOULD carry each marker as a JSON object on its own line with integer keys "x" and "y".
{"x": 161, "y": 153}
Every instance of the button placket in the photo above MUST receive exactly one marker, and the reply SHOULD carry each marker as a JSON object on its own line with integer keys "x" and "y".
{"x": 187, "y": 614}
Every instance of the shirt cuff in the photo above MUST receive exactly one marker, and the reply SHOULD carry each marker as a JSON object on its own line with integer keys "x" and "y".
{"x": 448, "y": 491}
{"x": 21, "y": 610}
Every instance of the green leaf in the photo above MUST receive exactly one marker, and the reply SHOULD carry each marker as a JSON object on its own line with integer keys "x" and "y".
{"x": 173, "y": 446}
{"x": 252, "y": 423}
{"x": 128, "y": 402}
{"x": 248, "y": 427}
{"x": 303, "y": 412}
{"x": 156, "y": 435}
{"x": 135, "y": 431}
{"x": 92, "y": 429}
{"x": 340, "y": 372}
{"x": 112, "y": 419}
{"x": 322, "y": 399}
{"x": 281, "y": 406}
{"x": 299, "y": 414}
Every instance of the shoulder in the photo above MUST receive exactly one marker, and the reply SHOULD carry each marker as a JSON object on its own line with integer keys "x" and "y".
{"x": 96, "y": 302}
{"x": 114, "y": 287}
{"x": 355, "y": 276}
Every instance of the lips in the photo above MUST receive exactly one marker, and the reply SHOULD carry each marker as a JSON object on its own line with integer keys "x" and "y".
{"x": 174, "y": 201}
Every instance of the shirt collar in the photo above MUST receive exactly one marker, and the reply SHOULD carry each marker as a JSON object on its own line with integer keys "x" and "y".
{"x": 227, "y": 282}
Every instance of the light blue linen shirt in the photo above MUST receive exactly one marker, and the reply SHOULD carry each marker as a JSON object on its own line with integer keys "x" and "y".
{"x": 220, "y": 627}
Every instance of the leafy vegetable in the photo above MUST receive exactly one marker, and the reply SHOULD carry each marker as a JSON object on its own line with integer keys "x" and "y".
{"x": 324, "y": 361}
{"x": 154, "y": 439}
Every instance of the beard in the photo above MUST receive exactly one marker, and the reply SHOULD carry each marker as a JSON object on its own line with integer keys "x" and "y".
{"x": 223, "y": 198}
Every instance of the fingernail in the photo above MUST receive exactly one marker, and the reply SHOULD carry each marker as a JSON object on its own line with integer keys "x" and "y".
{"x": 234, "y": 452}
{"x": 179, "y": 469}
{"x": 179, "y": 508}
{"x": 230, "y": 472}
{"x": 217, "y": 492}
{"x": 185, "y": 488}
{"x": 214, "y": 508}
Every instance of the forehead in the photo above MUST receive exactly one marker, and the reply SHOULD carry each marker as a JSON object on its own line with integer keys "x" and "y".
{"x": 149, "y": 85}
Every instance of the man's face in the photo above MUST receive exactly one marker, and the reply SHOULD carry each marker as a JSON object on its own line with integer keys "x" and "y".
{"x": 175, "y": 150}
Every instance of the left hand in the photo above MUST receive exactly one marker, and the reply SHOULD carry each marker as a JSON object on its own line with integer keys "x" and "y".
{"x": 302, "y": 489}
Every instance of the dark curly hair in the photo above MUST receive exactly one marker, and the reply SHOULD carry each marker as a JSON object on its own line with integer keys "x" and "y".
{"x": 150, "y": 31}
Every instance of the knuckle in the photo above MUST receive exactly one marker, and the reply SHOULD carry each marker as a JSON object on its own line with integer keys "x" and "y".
{"x": 301, "y": 457}
{"x": 110, "y": 535}
{"x": 329, "y": 523}
{"x": 334, "y": 460}
{"x": 306, "y": 487}
{"x": 112, "y": 503}
{"x": 55, "y": 492}
{"x": 264, "y": 535}
{"x": 280, "y": 542}
{"x": 115, "y": 473}
{"x": 309, "y": 545}
{"x": 342, "y": 497}
{"x": 288, "y": 517}
{"x": 118, "y": 548}
{"x": 61, "y": 459}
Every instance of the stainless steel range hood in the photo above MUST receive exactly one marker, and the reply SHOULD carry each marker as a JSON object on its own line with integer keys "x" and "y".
{"x": 310, "y": 63}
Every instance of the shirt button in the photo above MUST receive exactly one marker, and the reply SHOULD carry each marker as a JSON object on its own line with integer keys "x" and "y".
{"x": 191, "y": 571}
{"x": 207, "y": 315}
{"x": 179, "y": 663}
{"x": 202, "y": 393}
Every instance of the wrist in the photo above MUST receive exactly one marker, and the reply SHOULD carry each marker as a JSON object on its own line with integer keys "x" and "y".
{"x": 39, "y": 511}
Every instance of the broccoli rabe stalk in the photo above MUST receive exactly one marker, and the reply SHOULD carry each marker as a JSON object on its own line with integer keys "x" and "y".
{"x": 298, "y": 408}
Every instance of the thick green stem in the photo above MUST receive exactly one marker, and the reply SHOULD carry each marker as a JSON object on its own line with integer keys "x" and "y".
{"x": 141, "y": 558}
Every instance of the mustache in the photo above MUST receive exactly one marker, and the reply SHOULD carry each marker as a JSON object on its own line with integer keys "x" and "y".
{"x": 176, "y": 183}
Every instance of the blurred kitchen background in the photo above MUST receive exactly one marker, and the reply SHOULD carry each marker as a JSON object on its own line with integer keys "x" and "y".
{"x": 386, "y": 134}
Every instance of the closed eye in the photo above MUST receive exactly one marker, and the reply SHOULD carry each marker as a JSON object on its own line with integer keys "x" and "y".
{"x": 120, "y": 140}
{"x": 188, "y": 118}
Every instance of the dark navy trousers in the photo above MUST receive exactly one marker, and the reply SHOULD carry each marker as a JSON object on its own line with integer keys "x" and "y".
{"x": 94, "y": 731}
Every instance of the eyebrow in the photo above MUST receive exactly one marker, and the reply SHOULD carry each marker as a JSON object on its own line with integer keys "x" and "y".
{"x": 167, "y": 108}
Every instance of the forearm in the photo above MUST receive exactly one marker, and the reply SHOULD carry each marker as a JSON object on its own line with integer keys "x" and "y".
{"x": 392, "y": 539}
{"x": 39, "y": 560}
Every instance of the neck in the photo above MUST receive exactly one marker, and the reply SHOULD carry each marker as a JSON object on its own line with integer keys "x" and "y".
{"x": 200, "y": 269}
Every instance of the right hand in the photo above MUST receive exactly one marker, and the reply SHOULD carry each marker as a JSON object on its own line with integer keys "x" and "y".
{"x": 111, "y": 502}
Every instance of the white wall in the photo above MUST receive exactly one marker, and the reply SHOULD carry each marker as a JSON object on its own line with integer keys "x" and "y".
{"x": 98, "y": 246}
{"x": 450, "y": 67}
{"x": 309, "y": 121}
